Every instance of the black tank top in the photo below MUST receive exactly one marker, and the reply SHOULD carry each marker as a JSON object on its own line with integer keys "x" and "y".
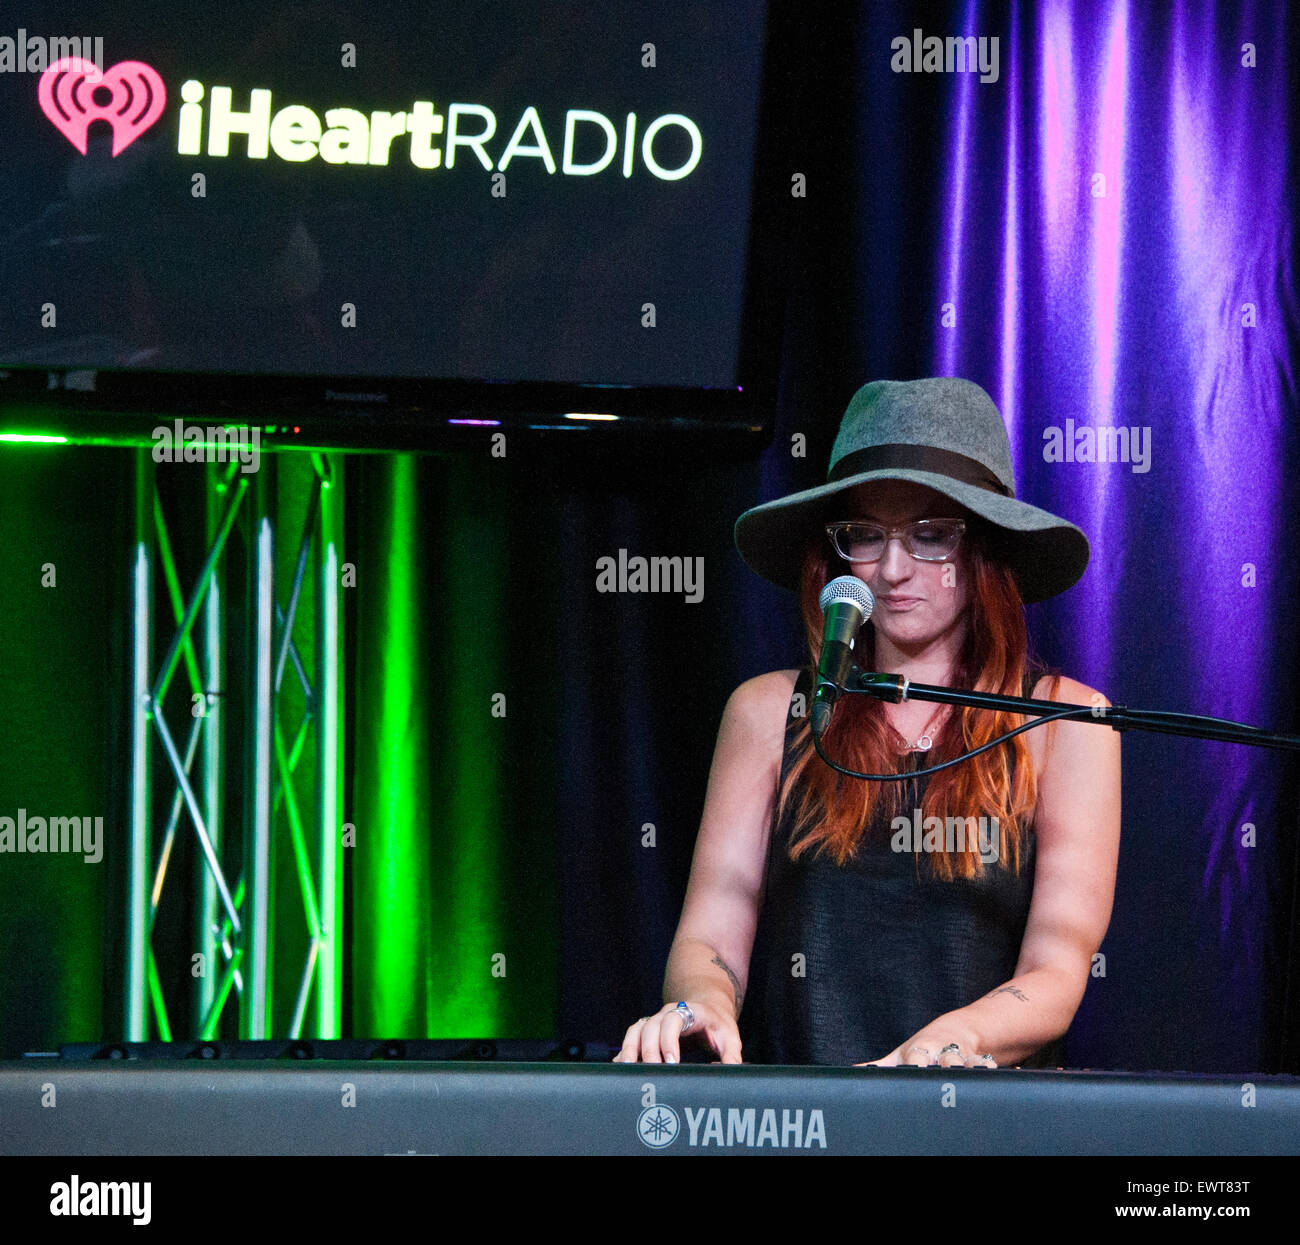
{"x": 851, "y": 960}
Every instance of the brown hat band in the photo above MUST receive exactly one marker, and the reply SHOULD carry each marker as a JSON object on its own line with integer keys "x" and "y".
{"x": 918, "y": 458}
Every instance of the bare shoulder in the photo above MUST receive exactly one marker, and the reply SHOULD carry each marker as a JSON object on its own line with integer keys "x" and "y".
{"x": 1067, "y": 690}
{"x": 759, "y": 708}
{"x": 751, "y": 737}
{"x": 722, "y": 896}
{"x": 1070, "y": 755}
{"x": 765, "y": 694}
{"x": 1077, "y": 824}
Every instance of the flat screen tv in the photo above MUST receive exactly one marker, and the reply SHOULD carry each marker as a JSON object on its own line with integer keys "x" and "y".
{"x": 381, "y": 226}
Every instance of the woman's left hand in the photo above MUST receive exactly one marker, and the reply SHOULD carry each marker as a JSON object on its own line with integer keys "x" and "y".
{"x": 941, "y": 1044}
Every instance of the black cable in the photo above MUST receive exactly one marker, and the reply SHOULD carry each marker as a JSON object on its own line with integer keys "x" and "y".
{"x": 1077, "y": 712}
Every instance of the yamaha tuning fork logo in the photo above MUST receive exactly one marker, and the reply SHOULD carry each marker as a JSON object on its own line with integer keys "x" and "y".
{"x": 658, "y": 1126}
{"x": 130, "y": 97}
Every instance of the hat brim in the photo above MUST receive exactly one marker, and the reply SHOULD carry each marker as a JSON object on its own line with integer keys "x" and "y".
{"x": 1046, "y": 554}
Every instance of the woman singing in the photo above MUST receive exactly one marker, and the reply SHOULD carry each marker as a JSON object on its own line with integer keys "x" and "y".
{"x": 949, "y": 919}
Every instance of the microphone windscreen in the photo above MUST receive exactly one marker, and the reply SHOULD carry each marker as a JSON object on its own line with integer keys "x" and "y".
{"x": 848, "y": 588}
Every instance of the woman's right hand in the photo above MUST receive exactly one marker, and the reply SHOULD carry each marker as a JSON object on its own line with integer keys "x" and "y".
{"x": 656, "y": 1038}
{"x": 709, "y": 958}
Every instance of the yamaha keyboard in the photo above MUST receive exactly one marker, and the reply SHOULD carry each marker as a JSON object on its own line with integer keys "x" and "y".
{"x": 153, "y": 1107}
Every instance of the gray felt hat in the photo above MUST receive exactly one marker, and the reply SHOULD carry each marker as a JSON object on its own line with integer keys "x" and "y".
{"x": 942, "y": 432}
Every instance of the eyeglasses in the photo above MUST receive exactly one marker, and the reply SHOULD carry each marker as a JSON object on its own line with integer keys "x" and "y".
{"x": 927, "y": 540}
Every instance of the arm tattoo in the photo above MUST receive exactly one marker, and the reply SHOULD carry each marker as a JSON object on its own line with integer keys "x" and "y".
{"x": 735, "y": 981}
{"x": 1020, "y": 994}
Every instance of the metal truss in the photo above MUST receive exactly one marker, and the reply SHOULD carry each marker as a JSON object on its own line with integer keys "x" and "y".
{"x": 236, "y": 931}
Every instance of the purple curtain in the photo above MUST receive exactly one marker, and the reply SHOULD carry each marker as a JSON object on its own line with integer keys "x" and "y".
{"x": 1102, "y": 236}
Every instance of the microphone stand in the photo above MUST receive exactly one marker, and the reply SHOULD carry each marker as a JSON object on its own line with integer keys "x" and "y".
{"x": 896, "y": 688}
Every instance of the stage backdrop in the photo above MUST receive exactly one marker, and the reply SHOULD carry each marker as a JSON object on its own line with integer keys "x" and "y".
{"x": 1097, "y": 228}
{"x": 1095, "y": 223}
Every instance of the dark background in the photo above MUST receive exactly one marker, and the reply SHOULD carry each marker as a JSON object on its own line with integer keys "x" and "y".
{"x": 922, "y": 190}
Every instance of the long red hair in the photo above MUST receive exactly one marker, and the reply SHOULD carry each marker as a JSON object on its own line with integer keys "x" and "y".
{"x": 831, "y": 812}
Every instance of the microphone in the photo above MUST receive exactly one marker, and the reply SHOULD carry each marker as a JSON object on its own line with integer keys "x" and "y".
{"x": 846, "y": 603}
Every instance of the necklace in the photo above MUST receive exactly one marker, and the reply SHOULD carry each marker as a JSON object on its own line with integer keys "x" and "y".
{"x": 925, "y": 741}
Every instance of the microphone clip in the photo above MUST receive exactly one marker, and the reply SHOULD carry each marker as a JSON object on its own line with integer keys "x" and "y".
{"x": 890, "y": 687}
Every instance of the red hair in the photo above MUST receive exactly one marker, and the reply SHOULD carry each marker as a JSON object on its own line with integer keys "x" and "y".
{"x": 832, "y": 812}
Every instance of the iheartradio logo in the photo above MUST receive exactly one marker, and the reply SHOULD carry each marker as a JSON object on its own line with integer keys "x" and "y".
{"x": 130, "y": 97}
{"x": 73, "y": 93}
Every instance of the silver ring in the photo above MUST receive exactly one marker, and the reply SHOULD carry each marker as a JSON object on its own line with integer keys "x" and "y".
{"x": 950, "y": 1046}
{"x": 688, "y": 1016}
{"x": 985, "y": 1059}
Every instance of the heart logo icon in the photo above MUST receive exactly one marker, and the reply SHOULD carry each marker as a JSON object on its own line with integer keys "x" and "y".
{"x": 71, "y": 94}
